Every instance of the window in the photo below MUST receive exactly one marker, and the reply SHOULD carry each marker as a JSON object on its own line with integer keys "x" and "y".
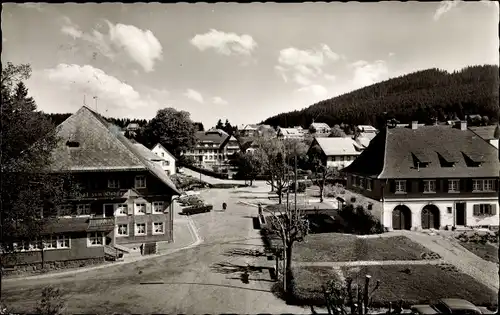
{"x": 140, "y": 181}
{"x": 483, "y": 185}
{"x": 166, "y": 163}
{"x": 158, "y": 207}
{"x": 368, "y": 184}
{"x": 140, "y": 208}
{"x": 361, "y": 182}
{"x": 163, "y": 154}
{"x": 140, "y": 229}
{"x": 83, "y": 209}
{"x": 122, "y": 230}
{"x": 484, "y": 209}
{"x": 400, "y": 186}
{"x": 113, "y": 183}
{"x": 158, "y": 228}
{"x": 65, "y": 210}
{"x": 342, "y": 158}
{"x": 121, "y": 210}
{"x": 95, "y": 239}
{"x": 62, "y": 241}
{"x": 50, "y": 243}
{"x": 453, "y": 185}
{"x": 429, "y": 186}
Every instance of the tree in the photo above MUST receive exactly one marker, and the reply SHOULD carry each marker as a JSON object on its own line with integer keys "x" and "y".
{"x": 30, "y": 189}
{"x": 199, "y": 126}
{"x": 228, "y": 128}
{"x": 320, "y": 172}
{"x": 219, "y": 125}
{"x": 172, "y": 129}
{"x": 249, "y": 166}
{"x": 291, "y": 225}
{"x": 337, "y": 133}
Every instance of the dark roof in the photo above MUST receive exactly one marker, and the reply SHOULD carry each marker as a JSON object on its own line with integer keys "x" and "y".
{"x": 146, "y": 153}
{"x": 391, "y": 154}
{"x": 215, "y": 136}
{"x": 485, "y": 132}
{"x": 101, "y": 147}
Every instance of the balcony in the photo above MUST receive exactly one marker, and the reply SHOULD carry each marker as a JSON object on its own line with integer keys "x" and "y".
{"x": 101, "y": 224}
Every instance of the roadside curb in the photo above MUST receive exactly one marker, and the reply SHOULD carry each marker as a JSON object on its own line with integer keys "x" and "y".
{"x": 192, "y": 229}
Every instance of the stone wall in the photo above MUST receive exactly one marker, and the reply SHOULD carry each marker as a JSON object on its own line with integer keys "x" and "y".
{"x": 36, "y": 268}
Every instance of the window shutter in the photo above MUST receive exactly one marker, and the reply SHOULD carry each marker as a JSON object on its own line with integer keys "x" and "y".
{"x": 446, "y": 185}
{"x": 392, "y": 186}
{"x": 476, "y": 209}
{"x": 438, "y": 185}
{"x": 421, "y": 186}
{"x": 496, "y": 184}
{"x": 130, "y": 208}
{"x": 409, "y": 184}
{"x": 463, "y": 185}
{"x": 148, "y": 208}
{"x": 468, "y": 184}
{"x": 493, "y": 209}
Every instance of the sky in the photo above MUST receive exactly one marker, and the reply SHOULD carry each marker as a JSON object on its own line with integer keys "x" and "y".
{"x": 241, "y": 62}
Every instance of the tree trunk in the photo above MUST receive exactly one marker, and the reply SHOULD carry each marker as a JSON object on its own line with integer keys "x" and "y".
{"x": 288, "y": 269}
{"x": 321, "y": 188}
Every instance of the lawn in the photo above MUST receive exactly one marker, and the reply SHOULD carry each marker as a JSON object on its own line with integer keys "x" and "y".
{"x": 414, "y": 284}
{"x": 485, "y": 251}
{"x": 341, "y": 247}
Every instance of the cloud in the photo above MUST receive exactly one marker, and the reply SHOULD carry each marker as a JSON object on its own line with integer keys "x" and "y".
{"x": 316, "y": 89}
{"x": 366, "y": 73}
{"x": 32, "y": 5}
{"x": 141, "y": 46}
{"x": 91, "y": 81}
{"x": 391, "y": 54}
{"x": 224, "y": 43}
{"x": 219, "y": 101}
{"x": 194, "y": 95}
{"x": 305, "y": 66}
{"x": 330, "y": 77}
{"x": 444, "y": 7}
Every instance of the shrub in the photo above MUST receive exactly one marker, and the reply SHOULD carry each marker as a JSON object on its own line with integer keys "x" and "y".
{"x": 51, "y": 302}
{"x": 359, "y": 221}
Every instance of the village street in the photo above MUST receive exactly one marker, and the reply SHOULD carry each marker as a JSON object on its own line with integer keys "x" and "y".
{"x": 203, "y": 279}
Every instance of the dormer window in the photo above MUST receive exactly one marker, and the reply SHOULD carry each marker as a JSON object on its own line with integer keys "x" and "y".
{"x": 72, "y": 144}
{"x": 419, "y": 160}
{"x": 445, "y": 161}
{"x": 472, "y": 161}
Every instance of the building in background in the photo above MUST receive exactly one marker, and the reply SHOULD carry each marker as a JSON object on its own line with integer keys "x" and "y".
{"x": 429, "y": 177}
{"x": 289, "y": 133}
{"x": 320, "y": 129}
{"x": 487, "y": 133}
{"x": 168, "y": 162}
{"x": 337, "y": 152}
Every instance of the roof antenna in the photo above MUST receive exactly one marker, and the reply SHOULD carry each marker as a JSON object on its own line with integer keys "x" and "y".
{"x": 84, "y": 100}
{"x": 95, "y": 97}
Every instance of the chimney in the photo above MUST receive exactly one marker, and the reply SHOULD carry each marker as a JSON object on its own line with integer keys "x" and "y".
{"x": 414, "y": 125}
{"x": 463, "y": 125}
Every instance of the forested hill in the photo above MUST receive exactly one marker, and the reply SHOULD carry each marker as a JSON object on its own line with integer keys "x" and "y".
{"x": 423, "y": 96}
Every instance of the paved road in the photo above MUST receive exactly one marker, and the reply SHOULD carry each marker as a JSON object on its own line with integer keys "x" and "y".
{"x": 203, "y": 279}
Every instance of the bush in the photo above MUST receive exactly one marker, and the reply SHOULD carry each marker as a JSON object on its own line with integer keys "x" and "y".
{"x": 190, "y": 201}
{"x": 359, "y": 221}
{"x": 301, "y": 187}
{"x": 51, "y": 302}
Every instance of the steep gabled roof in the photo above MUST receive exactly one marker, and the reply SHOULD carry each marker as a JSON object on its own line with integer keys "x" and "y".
{"x": 289, "y": 131}
{"x": 449, "y": 153}
{"x": 98, "y": 145}
{"x": 338, "y": 146}
{"x": 215, "y": 136}
{"x": 320, "y": 126}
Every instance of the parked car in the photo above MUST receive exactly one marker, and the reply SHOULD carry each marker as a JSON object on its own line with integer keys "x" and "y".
{"x": 197, "y": 209}
{"x": 450, "y": 306}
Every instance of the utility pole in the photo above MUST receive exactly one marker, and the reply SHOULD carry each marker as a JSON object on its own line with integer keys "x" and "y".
{"x": 295, "y": 190}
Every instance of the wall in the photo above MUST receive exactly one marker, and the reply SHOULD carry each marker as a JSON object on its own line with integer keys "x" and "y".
{"x": 445, "y": 217}
{"x": 168, "y": 157}
{"x": 148, "y": 219}
{"x": 335, "y": 161}
{"x": 78, "y": 250}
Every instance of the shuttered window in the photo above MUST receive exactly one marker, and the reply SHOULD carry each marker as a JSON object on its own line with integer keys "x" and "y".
{"x": 485, "y": 209}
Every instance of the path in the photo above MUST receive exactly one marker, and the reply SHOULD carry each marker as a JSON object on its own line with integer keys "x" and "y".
{"x": 211, "y": 180}
{"x": 202, "y": 279}
{"x": 465, "y": 261}
{"x": 335, "y": 264}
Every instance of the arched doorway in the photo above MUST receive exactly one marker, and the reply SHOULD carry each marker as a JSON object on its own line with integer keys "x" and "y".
{"x": 430, "y": 217}
{"x": 401, "y": 218}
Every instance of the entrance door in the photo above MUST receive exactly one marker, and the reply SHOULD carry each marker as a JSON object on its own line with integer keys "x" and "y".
{"x": 430, "y": 217}
{"x": 109, "y": 210}
{"x": 460, "y": 214}
{"x": 401, "y": 218}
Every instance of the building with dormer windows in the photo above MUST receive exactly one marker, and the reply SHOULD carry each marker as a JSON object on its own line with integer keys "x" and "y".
{"x": 429, "y": 177}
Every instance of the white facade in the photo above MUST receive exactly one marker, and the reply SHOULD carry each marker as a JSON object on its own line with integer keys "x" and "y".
{"x": 168, "y": 160}
{"x": 447, "y": 211}
{"x": 340, "y": 161}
